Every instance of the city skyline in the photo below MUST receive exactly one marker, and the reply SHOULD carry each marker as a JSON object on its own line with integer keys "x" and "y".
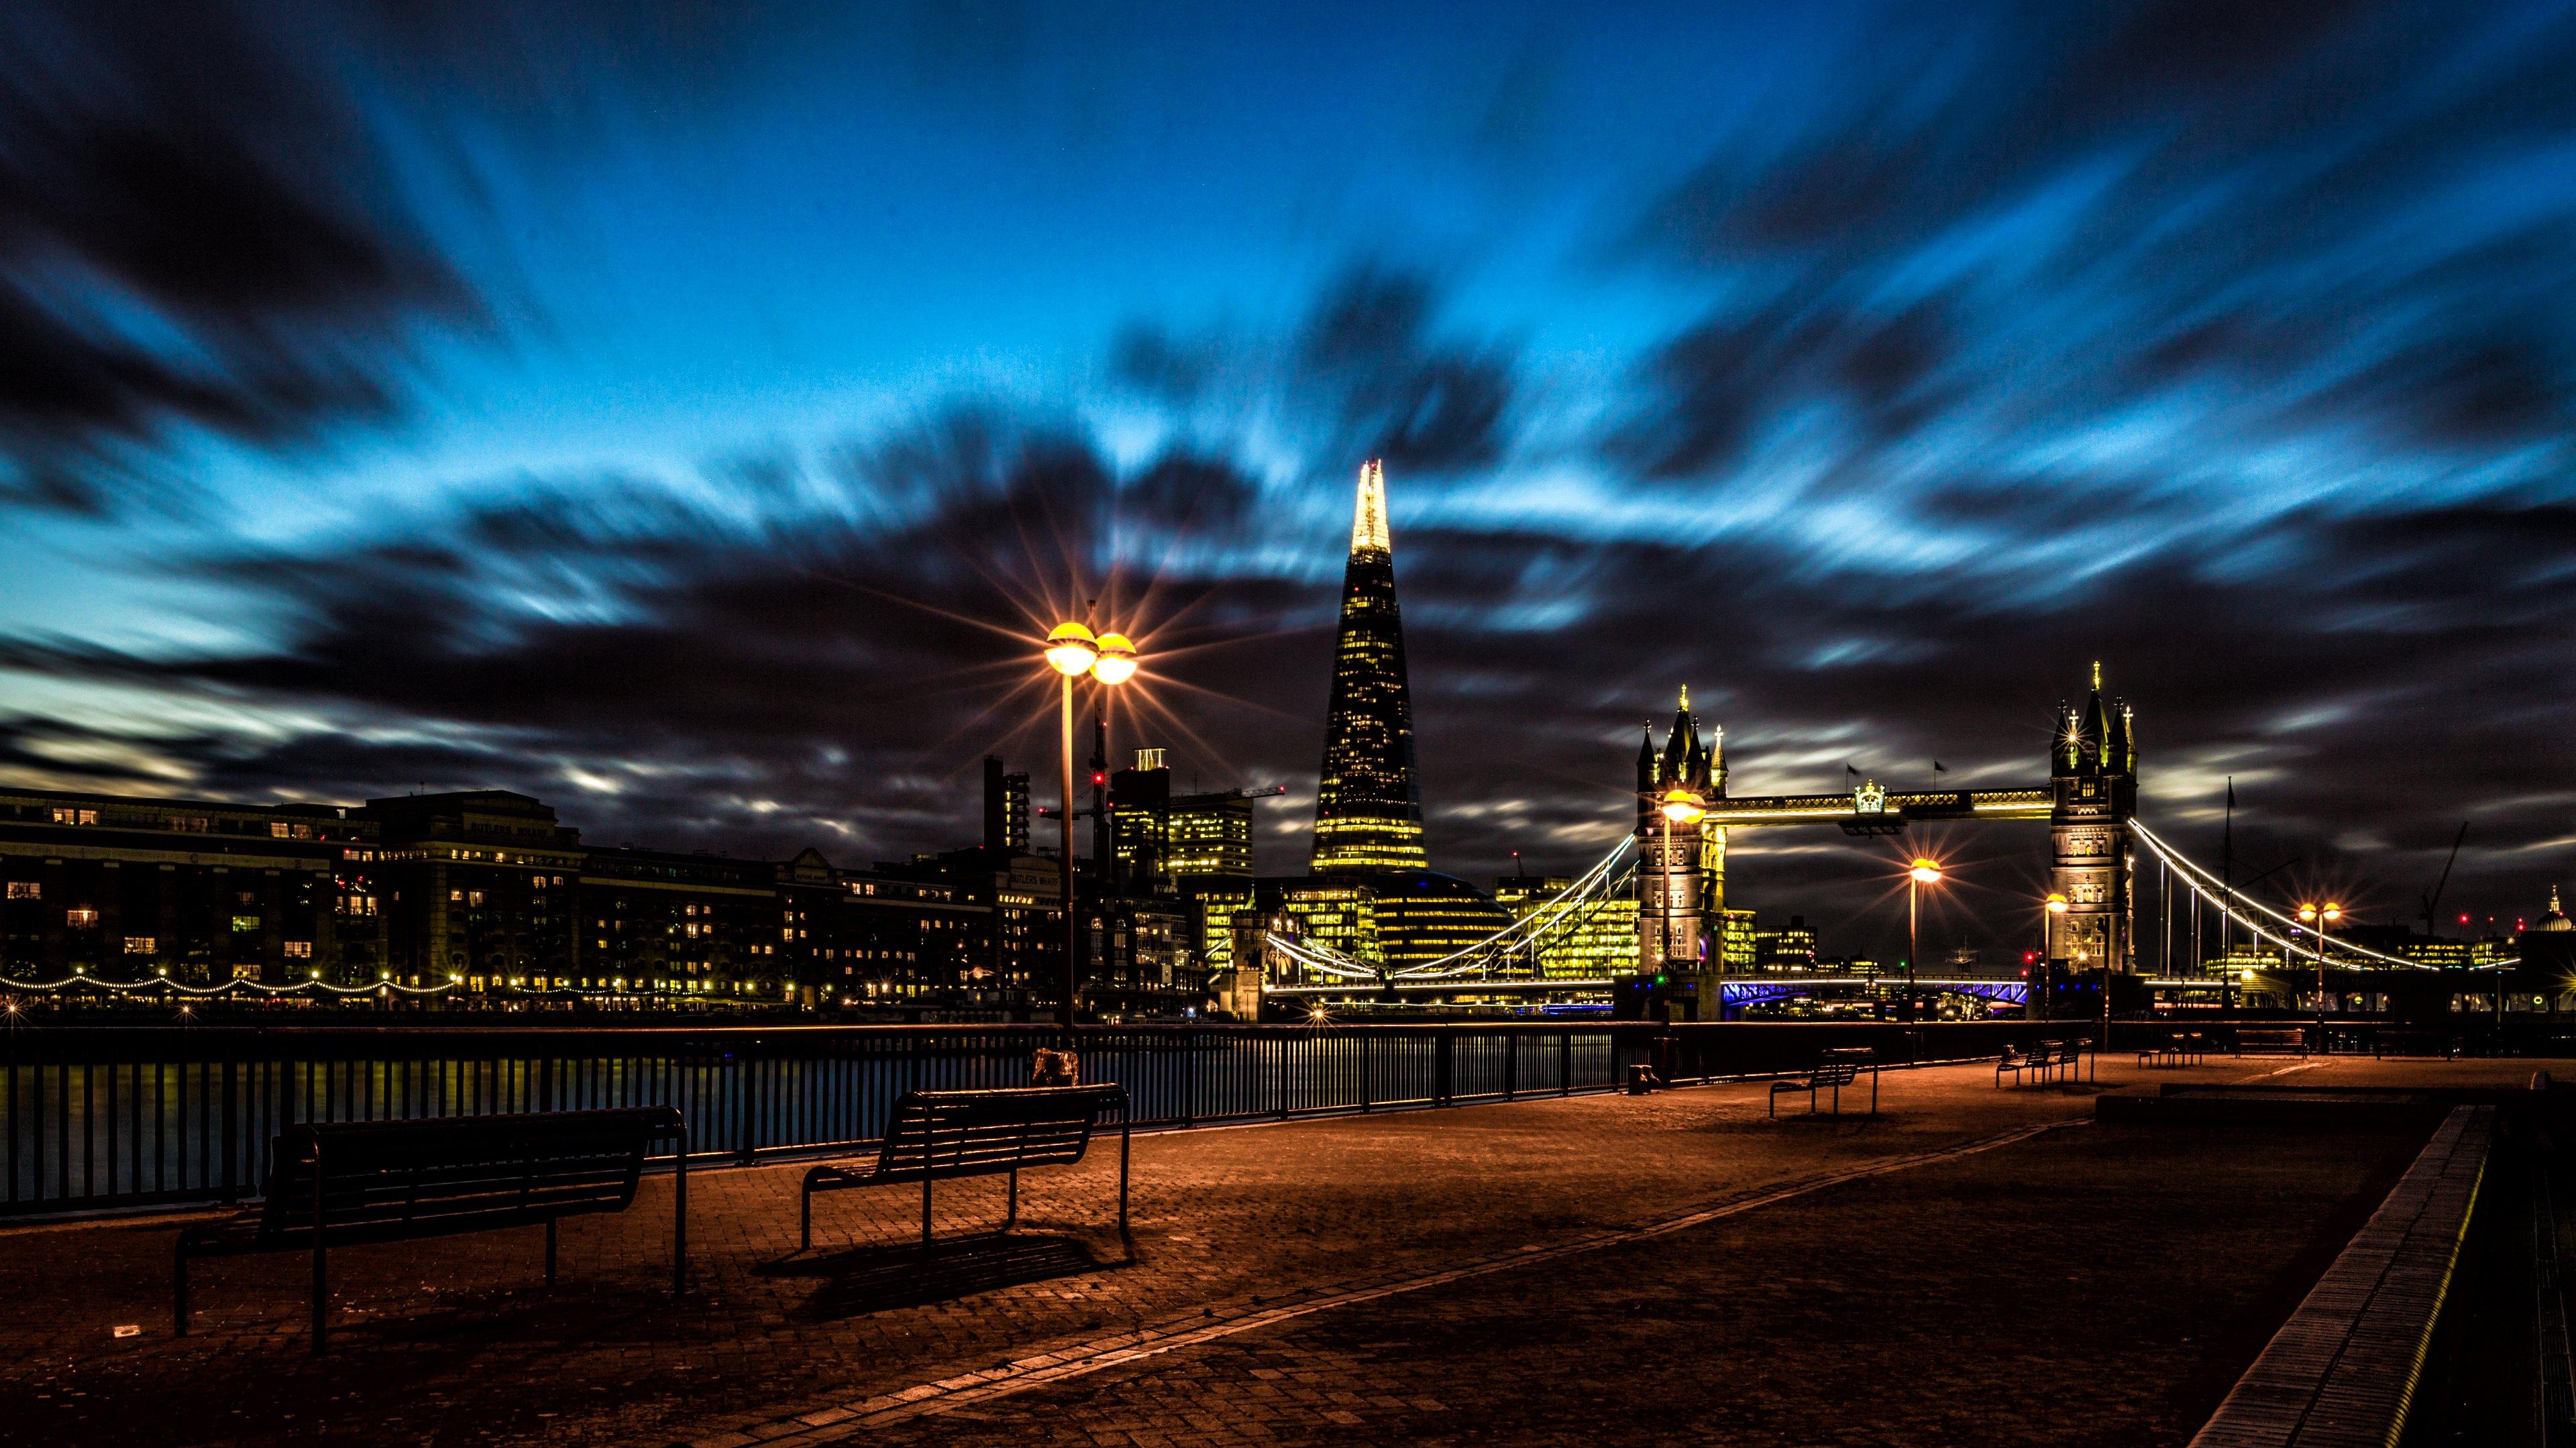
{"x": 1871, "y": 374}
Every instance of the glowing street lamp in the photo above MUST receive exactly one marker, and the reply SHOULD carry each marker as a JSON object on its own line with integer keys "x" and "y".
{"x": 2321, "y": 918}
{"x": 1925, "y": 871}
{"x": 1073, "y": 650}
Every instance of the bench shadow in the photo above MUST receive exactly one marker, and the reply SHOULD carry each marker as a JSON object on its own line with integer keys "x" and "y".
{"x": 863, "y": 1280}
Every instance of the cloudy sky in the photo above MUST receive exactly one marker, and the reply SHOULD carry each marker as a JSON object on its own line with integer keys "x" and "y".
{"x": 687, "y": 413}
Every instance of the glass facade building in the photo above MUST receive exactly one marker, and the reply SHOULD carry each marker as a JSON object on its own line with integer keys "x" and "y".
{"x": 1368, "y": 800}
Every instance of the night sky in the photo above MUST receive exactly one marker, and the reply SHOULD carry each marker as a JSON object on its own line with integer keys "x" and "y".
{"x": 691, "y": 414}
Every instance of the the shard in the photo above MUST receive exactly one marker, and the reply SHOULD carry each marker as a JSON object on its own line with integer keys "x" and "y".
{"x": 1368, "y": 802}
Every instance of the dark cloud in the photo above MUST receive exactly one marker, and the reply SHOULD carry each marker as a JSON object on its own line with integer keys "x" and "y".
{"x": 1424, "y": 404}
{"x": 180, "y": 173}
{"x": 2126, "y": 197}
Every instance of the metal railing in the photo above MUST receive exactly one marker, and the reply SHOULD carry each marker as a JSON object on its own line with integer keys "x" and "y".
{"x": 107, "y": 1118}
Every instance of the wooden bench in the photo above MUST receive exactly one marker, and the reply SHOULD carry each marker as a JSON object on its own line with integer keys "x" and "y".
{"x": 2177, "y": 1049}
{"x": 2018, "y": 1059}
{"x": 340, "y": 1184}
{"x": 1863, "y": 1058}
{"x": 2266, "y": 1042}
{"x": 1833, "y": 1073}
{"x": 2440, "y": 1044}
{"x": 950, "y": 1135}
{"x": 2066, "y": 1056}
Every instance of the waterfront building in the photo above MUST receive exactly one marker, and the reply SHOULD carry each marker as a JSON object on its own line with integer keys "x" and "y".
{"x": 1424, "y": 916}
{"x": 1339, "y": 915}
{"x": 682, "y": 924}
{"x": 129, "y": 889}
{"x": 1789, "y": 950}
{"x": 1006, "y": 809}
{"x": 481, "y": 888}
{"x": 1595, "y": 940}
{"x": 1736, "y": 947}
{"x": 487, "y": 893}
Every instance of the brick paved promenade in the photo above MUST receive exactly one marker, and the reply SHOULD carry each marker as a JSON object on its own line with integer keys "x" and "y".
{"x": 1974, "y": 1265}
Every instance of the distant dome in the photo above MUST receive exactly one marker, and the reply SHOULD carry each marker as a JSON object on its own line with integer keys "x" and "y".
{"x": 2556, "y": 919}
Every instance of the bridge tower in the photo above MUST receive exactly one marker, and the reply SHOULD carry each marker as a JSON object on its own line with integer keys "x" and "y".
{"x": 2093, "y": 770}
{"x": 1671, "y": 870}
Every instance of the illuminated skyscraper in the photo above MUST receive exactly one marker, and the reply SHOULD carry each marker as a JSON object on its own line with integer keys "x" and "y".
{"x": 1368, "y": 802}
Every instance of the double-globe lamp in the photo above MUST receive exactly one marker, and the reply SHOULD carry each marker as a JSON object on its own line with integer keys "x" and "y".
{"x": 2321, "y": 918}
{"x": 1073, "y": 650}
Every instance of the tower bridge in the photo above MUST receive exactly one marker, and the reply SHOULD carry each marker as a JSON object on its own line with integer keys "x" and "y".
{"x": 1684, "y": 816}
{"x": 1673, "y": 866}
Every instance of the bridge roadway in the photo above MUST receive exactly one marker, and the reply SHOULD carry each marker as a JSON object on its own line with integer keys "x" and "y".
{"x": 1901, "y": 806}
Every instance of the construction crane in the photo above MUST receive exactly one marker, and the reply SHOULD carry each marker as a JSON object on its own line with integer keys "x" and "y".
{"x": 2433, "y": 902}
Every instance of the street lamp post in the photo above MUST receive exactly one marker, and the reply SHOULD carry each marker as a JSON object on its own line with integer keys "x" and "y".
{"x": 2321, "y": 918}
{"x": 1072, "y": 650}
{"x": 1926, "y": 871}
{"x": 2048, "y": 958}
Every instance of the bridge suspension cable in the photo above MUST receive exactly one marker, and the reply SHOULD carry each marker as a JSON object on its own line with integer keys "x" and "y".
{"x": 2209, "y": 887}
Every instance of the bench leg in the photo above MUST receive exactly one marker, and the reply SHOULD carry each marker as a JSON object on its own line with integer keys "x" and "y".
{"x": 321, "y": 1289}
{"x": 550, "y": 1251}
{"x": 179, "y": 1292}
{"x": 680, "y": 1218}
{"x": 1013, "y": 1219}
{"x": 1126, "y": 1132}
{"x": 805, "y": 1220}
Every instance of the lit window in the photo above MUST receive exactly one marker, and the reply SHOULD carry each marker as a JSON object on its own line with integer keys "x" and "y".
{"x": 26, "y": 890}
{"x": 473, "y": 897}
{"x": 138, "y": 945}
{"x": 455, "y": 895}
{"x": 299, "y": 949}
{"x": 80, "y": 919}
{"x": 245, "y": 922}
{"x": 64, "y": 816}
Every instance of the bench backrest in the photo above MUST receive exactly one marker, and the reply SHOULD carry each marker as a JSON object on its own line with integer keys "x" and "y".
{"x": 981, "y": 1133}
{"x": 1835, "y": 1073}
{"x": 422, "y": 1178}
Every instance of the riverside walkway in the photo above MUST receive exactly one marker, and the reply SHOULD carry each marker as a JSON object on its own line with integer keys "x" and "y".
{"x": 1973, "y": 1264}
